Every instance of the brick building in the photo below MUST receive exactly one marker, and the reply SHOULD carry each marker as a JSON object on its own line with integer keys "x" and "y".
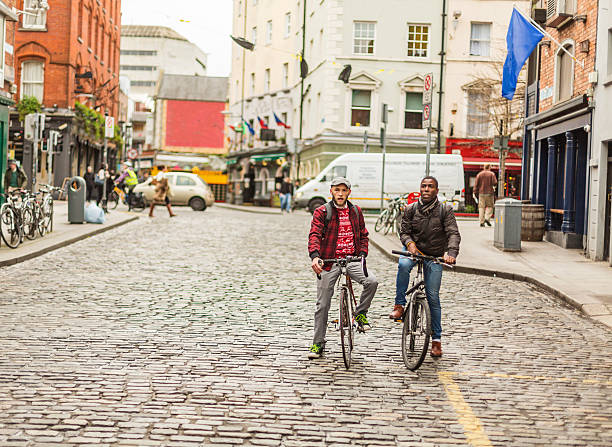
{"x": 8, "y": 19}
{"x": 557, "y": 144}
{"x": 67, "y": 51}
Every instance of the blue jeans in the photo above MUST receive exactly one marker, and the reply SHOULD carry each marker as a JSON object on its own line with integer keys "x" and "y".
{"x": 285, "y": 202}
{"x": 433, "y": 279}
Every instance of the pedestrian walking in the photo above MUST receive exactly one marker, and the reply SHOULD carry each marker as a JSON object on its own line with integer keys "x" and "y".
{"x": 286, "y": 194}
{"x": 90, "y": 184}
{"x": 99, "y": 180}
{"x": 484, "y": 189}
{"x": 162, "y": 192}
{"x": 15, "y": 177}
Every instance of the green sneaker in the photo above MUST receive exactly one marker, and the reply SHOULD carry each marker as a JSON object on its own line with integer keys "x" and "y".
{"x": 316, "y": 351}
{"x": 362, "y": 321}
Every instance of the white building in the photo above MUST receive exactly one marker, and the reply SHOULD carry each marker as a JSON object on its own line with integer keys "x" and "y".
{"x": 600, "y": 190}
{"x": 146, "y": 51}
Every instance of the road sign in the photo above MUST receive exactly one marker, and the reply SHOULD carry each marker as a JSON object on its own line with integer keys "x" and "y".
{"x": 132, "y": 154}
{"x": 426, "y": 116}
{"x": 109, "y": 127}
{"x": 427, "y": 88}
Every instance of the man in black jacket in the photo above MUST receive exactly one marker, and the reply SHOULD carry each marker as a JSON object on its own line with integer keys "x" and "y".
{"x": 429, "y": 228}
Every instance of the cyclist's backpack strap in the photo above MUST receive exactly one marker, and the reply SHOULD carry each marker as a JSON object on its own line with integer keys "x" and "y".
{"x": 443, "y": 214}
{"x": 328, "y": 213}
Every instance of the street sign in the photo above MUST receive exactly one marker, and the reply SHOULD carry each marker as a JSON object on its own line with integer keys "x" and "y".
{"x": 132, "y": 154}
{"x": 109, "y": 127}
{"x": 426, "y": 116}
{"x": 427, "y": 88}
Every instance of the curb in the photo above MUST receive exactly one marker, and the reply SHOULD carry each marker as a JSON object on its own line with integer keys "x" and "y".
{"x": 65, "y": 243}
{"x": 499, "y": 274}
{"x": 246, "y": 209}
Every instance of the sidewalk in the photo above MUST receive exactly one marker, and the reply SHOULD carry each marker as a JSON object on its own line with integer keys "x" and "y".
{"x": 583, "y": 284}
{"x": 566, "y": 274}
{"x": 63, "y": 234}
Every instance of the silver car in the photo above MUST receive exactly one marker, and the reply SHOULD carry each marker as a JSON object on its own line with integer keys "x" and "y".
{"x": 185, "y": 189}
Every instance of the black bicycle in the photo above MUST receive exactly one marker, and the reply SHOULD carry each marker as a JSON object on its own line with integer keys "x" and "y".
{"x": 416, "y": 330}
{"x": 348, "y": 304}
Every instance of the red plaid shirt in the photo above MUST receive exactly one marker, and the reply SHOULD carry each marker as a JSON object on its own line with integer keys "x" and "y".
{"x": 324, "y": 245}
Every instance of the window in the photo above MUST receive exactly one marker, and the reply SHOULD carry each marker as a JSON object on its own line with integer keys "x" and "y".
{"x": 480, "y": 40}
{"x": 183, "y": 180}
{"x": 360, "y": 108}
{"x": 269, "y": 32}
{"x": 32, "y": 79}
{"x": 286, "y": 75}
{"x": 477, "y": 114}
{"x": 418, "y": 40}
{"x": 363, "y": 37}
{"x": 239, "y": 8}
{"x": 139, "y": 67}
{"x": 252, "y": 84}
{"x": 565, "y": 73}
{"x": 284, "y": 117}
{"x": 267, "y": 80}
{"x": 81, "y": 20}
{"x": 2, "y": 39}
{"x": 413, "y": 115}
{"x": 336, "y": 171}
{"x": 254, "y": 35}
{"x": 287, "y": 24}
{"x": 37, "y": 17}
{"x": 138, "y": 52}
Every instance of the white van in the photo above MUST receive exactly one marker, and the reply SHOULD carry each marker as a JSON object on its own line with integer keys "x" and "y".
{"x": 403, "y": 173}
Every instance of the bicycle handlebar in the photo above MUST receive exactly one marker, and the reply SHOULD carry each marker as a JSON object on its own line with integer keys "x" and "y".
{"x": 423, "y": 258}
{"x": 348, "y": 259}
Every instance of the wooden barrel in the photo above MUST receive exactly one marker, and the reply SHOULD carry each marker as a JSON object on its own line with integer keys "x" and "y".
{"x": 532, "y": 226}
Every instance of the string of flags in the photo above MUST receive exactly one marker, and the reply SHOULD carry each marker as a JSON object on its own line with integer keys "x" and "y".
{"x": 245, "y": 125}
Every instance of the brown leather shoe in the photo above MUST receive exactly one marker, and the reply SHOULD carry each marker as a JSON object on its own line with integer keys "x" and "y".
{"x": 398, "y": 311}
{"x": 436, "y": 349}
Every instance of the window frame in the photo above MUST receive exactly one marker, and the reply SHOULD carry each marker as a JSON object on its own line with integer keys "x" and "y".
{"x": 480, "y": 40}
{"x": 267, "y": 80}
{"x": 428, "y": 26}
{"x": 557, "y": 79}
{"x": 23, "y": 82}
{"x": 355, "y": 38}
{"x": 286, "y": 75}
{"x": 287, "y": 24}
{"x": 468, "y": 114}
{"x": 406, "y": 110}
{"x": 254, "y": 35}
{"x": 369, "y": 109}
{"x": 269, "y": 32}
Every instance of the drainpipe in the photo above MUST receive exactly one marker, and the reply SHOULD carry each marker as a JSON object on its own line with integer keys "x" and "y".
{"x": 440, "y": 92}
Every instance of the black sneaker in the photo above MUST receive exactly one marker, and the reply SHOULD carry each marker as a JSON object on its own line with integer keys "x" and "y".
{"x": 363, "y": 323}
{"x": 316, "y": 351}
{"x": 488, "y": 223}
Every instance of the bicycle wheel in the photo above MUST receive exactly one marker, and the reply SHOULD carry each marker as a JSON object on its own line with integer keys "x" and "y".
{"x": 390, "y": 223}
{"x": 48, "y": 215}
{"x": 28, "y": 222}
{"x": 40, "y": 220}
{"x": 416, "y": 331}
{"x": 380, "y": 222}
{"x": 137, "y": 203}
{"x": 113, "y": 200}
{"x": 10, "y": 230}
{"x": 346, "y": 328}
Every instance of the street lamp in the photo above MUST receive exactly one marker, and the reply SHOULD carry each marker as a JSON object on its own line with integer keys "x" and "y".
{"x": 345, "y": 74}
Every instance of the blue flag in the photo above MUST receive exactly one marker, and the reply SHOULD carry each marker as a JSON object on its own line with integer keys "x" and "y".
{"x": 521, "y": 40}
{"x": 251, "y": 131}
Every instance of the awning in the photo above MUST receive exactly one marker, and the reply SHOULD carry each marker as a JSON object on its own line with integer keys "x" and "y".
{"x": 267, "y": 157}
{"x": 182, "y": 159}
{"x": 231, "y": 161}
{"x": 511, "y": 163}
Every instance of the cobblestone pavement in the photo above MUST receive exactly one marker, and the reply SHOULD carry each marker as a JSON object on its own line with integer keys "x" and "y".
{"x": 194, "y": 330}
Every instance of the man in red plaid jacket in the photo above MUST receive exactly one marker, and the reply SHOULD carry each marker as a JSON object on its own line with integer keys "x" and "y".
{"x": 339, "y": 235}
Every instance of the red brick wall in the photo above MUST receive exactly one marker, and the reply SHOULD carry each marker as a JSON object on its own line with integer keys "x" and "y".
{"x": 195, "y": 124}
{"x": 579, "y": 32}
{"x": 65, "y": 52}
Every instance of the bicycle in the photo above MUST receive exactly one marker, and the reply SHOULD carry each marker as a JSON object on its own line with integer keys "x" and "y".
{"x": 345, "y": 323}
{"x": 387, "y": 220}
{"x": 47, "y": 205}
{"x": 15, "y": 219}
{"x": 416, "y": 330}
{"x": 32, "y": 203}
{"x": 137, "y": 202}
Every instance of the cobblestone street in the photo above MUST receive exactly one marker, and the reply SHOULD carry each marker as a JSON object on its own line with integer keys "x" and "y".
{"x": 194, "y": 331}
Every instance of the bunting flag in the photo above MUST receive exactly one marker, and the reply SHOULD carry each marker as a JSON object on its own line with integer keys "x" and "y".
{"x": 240, "y": 128}
{"x": 279, "y": 122}
{"x": 262, "y": 123}
{"x": 251, "y": 130}
{"x": 521, "y": 40}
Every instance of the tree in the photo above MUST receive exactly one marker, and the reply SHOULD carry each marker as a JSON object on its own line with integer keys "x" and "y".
{"x": 490, "y": 108}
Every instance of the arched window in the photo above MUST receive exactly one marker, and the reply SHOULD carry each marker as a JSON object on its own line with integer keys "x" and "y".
{"x": 263, "y": 176}
{"x": 33, "y": 79}
{"x": 564, "y": 84}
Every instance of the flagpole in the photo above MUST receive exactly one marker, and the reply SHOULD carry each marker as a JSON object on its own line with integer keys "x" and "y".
{"x": 539, "y": 28}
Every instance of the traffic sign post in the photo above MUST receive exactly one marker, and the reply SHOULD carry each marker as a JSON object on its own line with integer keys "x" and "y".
{"x": 427, "y": 93}
{"x": 109, "y": 126}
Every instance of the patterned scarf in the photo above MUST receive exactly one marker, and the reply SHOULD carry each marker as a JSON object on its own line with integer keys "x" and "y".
{"x": 427, "y": 208}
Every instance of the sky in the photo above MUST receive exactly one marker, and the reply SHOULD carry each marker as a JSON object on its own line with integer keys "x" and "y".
{"x": 207, "y": 23}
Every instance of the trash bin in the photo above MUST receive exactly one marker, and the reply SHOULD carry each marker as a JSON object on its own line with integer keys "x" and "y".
{"x": 507, "y": 232}
{"x": 76, "y": 200}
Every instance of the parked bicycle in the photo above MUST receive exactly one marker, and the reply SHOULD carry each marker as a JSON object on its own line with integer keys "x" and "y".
{"x": 389, "y": 218}
{"x": 416, "y": 330}
{"x": 47, "y": 204}
{"x": 347, "y": 304}
{"x": 16, "y": 220}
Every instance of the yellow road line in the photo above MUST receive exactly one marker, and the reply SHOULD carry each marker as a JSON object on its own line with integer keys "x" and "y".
{"x": 472, "y": 427}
